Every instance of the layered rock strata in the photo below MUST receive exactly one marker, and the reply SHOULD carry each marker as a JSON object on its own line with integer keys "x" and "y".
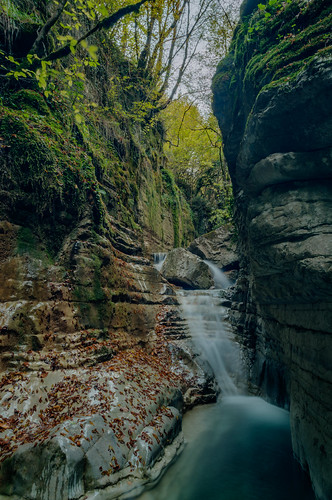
{"x": 96, "y": 367}
{"x": 272, "y": 97}
{"x": 93, "y": 382}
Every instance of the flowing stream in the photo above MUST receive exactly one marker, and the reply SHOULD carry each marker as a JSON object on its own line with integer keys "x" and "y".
{"x": 240, "y": 447}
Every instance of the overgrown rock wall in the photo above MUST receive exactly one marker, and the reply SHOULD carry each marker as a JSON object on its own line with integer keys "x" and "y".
{"x": 91, "y": 360}
{"x": 273, "y": 100}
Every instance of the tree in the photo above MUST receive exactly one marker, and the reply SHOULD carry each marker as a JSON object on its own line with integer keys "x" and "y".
{"x": 219, "y": 24}
{"x": 163, "y": 41}
{"x": 161, "y": 38}
{"x": 103, "y": 19}
{"x": 194, "y": 150}
{"x": 68, "y": 25}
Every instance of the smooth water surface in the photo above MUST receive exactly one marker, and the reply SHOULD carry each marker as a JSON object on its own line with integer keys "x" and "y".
{"x": 239, "y": 449}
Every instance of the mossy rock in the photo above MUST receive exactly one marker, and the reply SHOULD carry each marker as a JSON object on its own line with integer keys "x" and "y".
{"x": 30, "y": 100}
{"x": 269, "y": 50}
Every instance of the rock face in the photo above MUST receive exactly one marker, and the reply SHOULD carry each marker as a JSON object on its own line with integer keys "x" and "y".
{"x": 96, "y": 366}
{"x": 186, "y": 269}
{"x": 93, "y": 380}
{"x": 218, "y": 247}
{"x": 272, "y": 97}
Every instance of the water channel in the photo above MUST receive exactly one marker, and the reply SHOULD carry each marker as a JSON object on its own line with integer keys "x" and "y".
{"x": 240, "y": 447}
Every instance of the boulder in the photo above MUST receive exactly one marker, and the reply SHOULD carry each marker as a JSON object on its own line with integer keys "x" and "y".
{"x": 218, "y": 247}
{"x": 185, "y": 269}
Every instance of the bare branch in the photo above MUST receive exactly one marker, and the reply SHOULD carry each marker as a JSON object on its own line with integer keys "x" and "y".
{"x": 143, "y": 58}
{"x": 106, "y": 24}
{"x": 231, "y": 25}
{"x": 37, "y": 45}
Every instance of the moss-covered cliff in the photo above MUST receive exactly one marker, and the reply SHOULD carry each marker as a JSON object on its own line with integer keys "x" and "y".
{"x": 272, "y": 97}
{"x": 85, "y": 197}
{"x": 267, "y": 57}
{"x": 83, "y": 146}
{"x": 53, "y": 170}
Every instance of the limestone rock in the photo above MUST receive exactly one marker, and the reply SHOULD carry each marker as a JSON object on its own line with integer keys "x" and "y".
{"x": 76, "y": 338}
{"x": 218, "y": 247}
{"x": 187, "y": 270}
{"x": 275, "y": 112}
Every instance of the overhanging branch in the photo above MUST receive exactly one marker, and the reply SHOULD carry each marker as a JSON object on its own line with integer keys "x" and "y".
{"x": 105, "y": 24}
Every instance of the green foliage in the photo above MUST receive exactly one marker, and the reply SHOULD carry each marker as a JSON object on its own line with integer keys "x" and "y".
{"x": 31, "y": 101}
{"x": 173, "y": 202}
{"x": 21, "y": 12}
{"x": 195, "y": 157}
{"x": 79, "y": 134}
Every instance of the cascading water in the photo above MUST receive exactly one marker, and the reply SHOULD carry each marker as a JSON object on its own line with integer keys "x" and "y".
{"x": 204, "y": 316}
{"x": 158, "y": 259}
{"x": 239, "y": 448}
{"x": 219, "y": 278}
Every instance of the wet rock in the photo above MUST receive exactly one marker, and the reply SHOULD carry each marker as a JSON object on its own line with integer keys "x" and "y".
{"x": 90, "y": 366}
{"x": 153, "y": 438}
{"x": 184, "y": 269}
{"x": 218, "y": 247}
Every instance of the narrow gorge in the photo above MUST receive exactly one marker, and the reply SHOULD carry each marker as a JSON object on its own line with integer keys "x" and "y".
{"x": 110, "y": 292}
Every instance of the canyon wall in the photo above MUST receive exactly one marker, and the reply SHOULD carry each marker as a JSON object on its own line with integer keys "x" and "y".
{"x": 95, "y": 367}
{"x": 273, "y": 100}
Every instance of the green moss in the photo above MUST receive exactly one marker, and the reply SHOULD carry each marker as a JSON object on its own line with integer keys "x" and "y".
{"x": 31, "y": 100}
{"x": 295, "y": 47}
{"x": 48, "y": 176}
{"x": 266, "y": 50}
{"x": 95, "y": 308}
{"x": 38, "y": 163}
{"x": 18, "y": 12}
{"x": 98, "y": 292}
{"x": 55, "y": 170}
{"x": 174, "y": 203}
{"x": 26, "y": 241}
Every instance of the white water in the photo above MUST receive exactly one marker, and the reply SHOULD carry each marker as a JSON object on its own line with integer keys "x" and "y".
{"x": 239, "y": 448}
{"x": 219, "y": 278}
{"x": 158, "y": 260}
{"x": 204, "y": 315}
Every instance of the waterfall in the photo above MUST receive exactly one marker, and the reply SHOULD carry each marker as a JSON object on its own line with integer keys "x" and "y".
{"x": 158, "y": 259}
{"x": 239, "y": 448}
{"x": 204, "y": 314}
{"x": 219, "y": 278}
